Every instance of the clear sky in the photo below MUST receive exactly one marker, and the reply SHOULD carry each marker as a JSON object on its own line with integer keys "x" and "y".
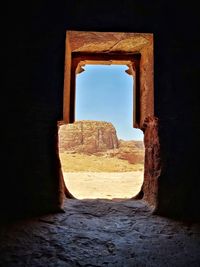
{"x": 105, "y": 93}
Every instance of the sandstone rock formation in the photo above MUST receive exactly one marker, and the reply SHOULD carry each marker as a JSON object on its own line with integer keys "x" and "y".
{"x": 132, "y": 151}
{"x": 100, "y": 138}
{"x": 87, "y": 137}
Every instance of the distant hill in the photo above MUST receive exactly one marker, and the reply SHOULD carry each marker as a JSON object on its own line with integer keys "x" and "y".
{"x": 98, "y": 138}
{"x": 88, "y": 137}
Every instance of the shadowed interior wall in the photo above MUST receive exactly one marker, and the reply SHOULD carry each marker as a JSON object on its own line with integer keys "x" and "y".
{"x": 33, "y": 90}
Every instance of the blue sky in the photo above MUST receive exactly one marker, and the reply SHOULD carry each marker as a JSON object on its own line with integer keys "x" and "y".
{"x": 105, "y": 93}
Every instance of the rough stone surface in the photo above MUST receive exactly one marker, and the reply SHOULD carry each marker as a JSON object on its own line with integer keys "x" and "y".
{"x": 100, "y": 138}
{"x": 108, "y": 42}
{"x": 100, "y": 233}
{"x": 32, "y": 97}
{"x": 87, "y": 136}
{"x": 152, "y": 166}
{"x": 132, "y": 151}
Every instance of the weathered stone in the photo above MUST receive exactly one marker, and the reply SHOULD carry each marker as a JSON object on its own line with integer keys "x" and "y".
{"x": 87, "y": 136}
{"x": 152, "y": 165}
{"x": 32, "y": 103}
{"x": 105, "y": 41}
{"x": 132, "y": 151}
{"x": 100, "y": 233}
{"x": 100, "y": 138}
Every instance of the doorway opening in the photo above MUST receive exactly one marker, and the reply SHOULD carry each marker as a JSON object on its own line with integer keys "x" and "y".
{"x": 137, "y": 51}
{"x": 102, "y": 155}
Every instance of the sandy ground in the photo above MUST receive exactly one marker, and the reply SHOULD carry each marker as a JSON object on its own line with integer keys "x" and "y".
{"x": 107, "y": 185}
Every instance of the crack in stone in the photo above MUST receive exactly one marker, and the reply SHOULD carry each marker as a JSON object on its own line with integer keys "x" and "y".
{"x": 111, "y": 48}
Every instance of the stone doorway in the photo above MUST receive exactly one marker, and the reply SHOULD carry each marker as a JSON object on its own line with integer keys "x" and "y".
{"x": 137, "y": 48}
{"x": 103, "y": 158}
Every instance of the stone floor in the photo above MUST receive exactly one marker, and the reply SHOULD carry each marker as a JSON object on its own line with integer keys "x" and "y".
{"x": 100, "y": 233}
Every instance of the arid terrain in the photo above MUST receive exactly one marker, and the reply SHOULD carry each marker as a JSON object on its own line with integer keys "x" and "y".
{"x": 109, "y": 185}
{"x": 96, "y": 164}
{"x": 92, "y": 176}
{"x": 93, "y": 163}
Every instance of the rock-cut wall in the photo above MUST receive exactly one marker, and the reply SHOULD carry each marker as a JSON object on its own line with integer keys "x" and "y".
{"x": 32, "y": 99}
{"x": 87, "y": 136}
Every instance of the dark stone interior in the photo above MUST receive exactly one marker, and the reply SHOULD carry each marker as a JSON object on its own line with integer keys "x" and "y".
{"x": 32, "y": 93}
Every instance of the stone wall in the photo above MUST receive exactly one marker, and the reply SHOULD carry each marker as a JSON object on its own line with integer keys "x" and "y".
{"x": 32, "y": 94}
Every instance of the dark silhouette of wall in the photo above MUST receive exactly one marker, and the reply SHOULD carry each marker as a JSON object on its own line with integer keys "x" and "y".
{"x": 33, "y": 87}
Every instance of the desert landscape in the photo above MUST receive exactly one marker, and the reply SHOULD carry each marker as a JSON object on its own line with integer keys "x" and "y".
{"x": 96, "y": 164}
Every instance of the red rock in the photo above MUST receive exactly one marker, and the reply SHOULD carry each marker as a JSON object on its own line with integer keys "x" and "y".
{"x": 87, "y": 137}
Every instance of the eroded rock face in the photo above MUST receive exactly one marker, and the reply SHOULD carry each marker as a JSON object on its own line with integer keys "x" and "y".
{"x": 152, "y": 160}
{"x": 132, "y": 151}
{"x": 87, "y": 137}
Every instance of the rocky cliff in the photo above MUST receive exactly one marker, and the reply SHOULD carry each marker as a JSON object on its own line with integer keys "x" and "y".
{"x": 87, "y": 137}
{"x": 99, "y": 138}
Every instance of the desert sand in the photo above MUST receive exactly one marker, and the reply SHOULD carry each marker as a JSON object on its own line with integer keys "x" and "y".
{"x": 108, "y": 185}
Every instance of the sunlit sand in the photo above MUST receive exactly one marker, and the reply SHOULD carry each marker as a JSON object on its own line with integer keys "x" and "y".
{"x": 107, "y": 185}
